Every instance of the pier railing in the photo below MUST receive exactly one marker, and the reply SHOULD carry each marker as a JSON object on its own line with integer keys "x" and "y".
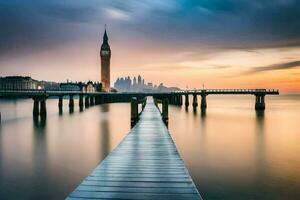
{"x": 229, "y": 91}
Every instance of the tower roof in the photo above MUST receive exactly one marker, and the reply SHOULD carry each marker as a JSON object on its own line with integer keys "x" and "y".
{"x": 105, "y": 37}
{"x": 105, "y": 44}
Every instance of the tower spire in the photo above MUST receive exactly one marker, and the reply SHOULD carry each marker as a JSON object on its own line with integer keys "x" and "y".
{"x": 105, "y": 37}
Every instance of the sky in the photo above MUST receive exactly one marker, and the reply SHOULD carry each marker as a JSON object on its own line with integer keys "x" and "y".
{"x": 183, "y": 43}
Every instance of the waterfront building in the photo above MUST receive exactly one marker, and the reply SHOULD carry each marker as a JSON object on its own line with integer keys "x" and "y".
{"x": 69, "y": 86}
{"x": 19, "y": 83}
{"x": 98, "y": 87}
{"x": 90, "y": 87}
{"x": 49, "y": 85}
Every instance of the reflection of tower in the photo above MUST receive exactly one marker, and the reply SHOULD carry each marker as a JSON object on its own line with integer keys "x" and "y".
{"x": 105, "y": 131}
{"x": 105, "y": 54}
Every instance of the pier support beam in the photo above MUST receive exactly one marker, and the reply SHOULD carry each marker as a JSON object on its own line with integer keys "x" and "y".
{"x": 180, "y": 100}
{"x": 134, "y": 111}
{"x": 165, "y": 110}
{"x": 203, "y": 102}
{"x": 175, "y": 97}
{"x": 260, "y": 102}
{"x": 172, "y": 99}
{"x": 60, "y": 101}
{"x": 195, "y": 102}
{"x": 36, "y": 107}
{"x": 187, "y": 103}
{"x": 60, "y": 104}
{"x": 92, "y": 102}
{"x": 97, "y": 100}
{"x": 43, "y": 109}
{"x": 87, "y": 102}
{"x": 71, "y": 103}
{"x": 100, "y": 99}
{"x": 81, "y": 102}
{"x": 39, "y": 107}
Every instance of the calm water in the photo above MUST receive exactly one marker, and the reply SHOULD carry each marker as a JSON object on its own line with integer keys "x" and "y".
{"x": 232, "y": 152}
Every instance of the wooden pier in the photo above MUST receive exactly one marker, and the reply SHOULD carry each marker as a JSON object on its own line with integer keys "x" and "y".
{"x": 145, "y": 165}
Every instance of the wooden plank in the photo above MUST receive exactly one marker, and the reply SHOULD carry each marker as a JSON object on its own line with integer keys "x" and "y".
{"x": 182, "y": 190}
{"x": 145, "y": 165}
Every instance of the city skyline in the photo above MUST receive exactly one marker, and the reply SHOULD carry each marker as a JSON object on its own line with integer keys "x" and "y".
{"x": 139, "y": 84}
{"x": 249, "y": 44}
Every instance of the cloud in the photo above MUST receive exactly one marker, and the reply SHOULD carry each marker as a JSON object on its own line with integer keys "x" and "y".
{"x": 182, "y": 65}
{"x": 117, "y": 14}
{"x": 278, "y": 66}
{"x": 33, "y": 25}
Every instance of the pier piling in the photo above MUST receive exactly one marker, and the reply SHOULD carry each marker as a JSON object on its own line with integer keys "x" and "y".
{"x": 87, "y": 102}
{"x": 43, "y": 109}
{"x": 195, "y": 102}
{"x": 36, "y": 107}
{"x": 134, "y": 111}
{"x": 165, "y": 110}
{"x": 203, "y": 102}
{"x": 260, "y": 102}
{"x": 92, "y": 102}
{"x": 187, "y": 103}
{"x": 80, "y": 102}
{"x": 71, "y": 103}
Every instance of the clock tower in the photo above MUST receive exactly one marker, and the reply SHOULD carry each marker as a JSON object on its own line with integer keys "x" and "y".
{"x": 105, "y": 54}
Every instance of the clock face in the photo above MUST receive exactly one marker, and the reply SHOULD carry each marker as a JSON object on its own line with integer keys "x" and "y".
{"x": 104, "y": 53}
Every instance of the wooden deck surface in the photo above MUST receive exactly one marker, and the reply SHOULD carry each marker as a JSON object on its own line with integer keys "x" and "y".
{"x": 145, "y": 165}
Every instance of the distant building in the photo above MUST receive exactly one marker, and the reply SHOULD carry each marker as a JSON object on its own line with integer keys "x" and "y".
{"x": 98, "y": 87}
{"x": 27, "y": 83}
{"x": 19, "y": 83}
{"x": 69, "y": 86}
{"x": 52, "y": 86}
{"x": 139, "y": 80}
{"x": 134, "y": 81}
{"x": 90, "y": 87}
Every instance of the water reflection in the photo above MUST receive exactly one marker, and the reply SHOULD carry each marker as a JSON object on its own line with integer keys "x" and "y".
{"x": 46, "y": 158}
{"x": 186, "y": 109}
{"x": 60, "y": 111}
{"x": 40, "y": 160}
{"x": 39, "y": 121}
{"x": 203, "y": 113}
{"x": 260, "y": 153}
{"x": 71, "y": 110}
{"x": 235, "y": 152}
{"x": 232, "y": 152}
{"x": 195, "y": 111}
{"x": 105, "y": 131}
